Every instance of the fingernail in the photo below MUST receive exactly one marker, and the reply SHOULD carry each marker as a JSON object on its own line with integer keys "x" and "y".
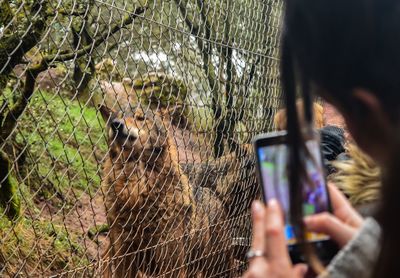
{"x": 308, "y": 220}
{"x": 304, "y": 269}
{"x": 256, "y": 207}
{"x": 273, "y": 204}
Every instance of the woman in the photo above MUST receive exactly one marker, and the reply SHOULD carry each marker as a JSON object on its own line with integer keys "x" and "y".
{"x": 348, "y": 51}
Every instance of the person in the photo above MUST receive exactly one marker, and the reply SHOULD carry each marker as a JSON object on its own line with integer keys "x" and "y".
{"x": 332, "y": 147}
{"x": 347, "y": 52}
{"x": 332, "y": 137}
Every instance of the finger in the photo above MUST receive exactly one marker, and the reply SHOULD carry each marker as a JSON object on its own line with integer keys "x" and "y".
{"x": 259, "y": 218}
{"x": 274, "y": 231}
{"x": 328, "y": 224}
{"x": 300, "y": 270}
{"x": 257, "y": 269}
{"x": 337, "y": 198}
{"x": 342, "y": 207}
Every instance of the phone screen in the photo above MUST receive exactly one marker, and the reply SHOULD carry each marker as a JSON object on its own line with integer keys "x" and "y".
{"x": 274, "y": 175}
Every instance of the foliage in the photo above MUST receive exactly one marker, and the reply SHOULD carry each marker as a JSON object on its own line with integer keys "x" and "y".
{"x": 41, "y": 247}
{"x": 61, "y": 165}
{"x": 67, "y": 157}
{"x": 98, "y": 229}
{"x": 9, "y": 197}
{"x": 159, "y": 91}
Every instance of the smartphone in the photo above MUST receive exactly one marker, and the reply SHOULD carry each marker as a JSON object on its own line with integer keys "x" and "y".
{"x": 272, "y": 167}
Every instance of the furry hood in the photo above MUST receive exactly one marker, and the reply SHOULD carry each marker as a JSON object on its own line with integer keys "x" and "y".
{"x": 359, "y": 177}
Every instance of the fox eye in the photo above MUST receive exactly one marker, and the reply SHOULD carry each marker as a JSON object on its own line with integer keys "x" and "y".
{"x": 140, "y": 118}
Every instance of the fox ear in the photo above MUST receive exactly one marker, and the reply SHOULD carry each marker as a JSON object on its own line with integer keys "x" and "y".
{"x": 106, "y": 112}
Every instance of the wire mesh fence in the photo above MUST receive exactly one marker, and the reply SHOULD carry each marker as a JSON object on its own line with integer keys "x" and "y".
{"x": 124, "y": 134}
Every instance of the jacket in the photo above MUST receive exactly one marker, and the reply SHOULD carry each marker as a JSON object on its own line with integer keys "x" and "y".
{"x": 357, "y": 259}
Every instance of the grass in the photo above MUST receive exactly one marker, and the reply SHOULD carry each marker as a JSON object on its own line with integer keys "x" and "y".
{"x": 63, "y": 141}
{"x": 40, "y": 247}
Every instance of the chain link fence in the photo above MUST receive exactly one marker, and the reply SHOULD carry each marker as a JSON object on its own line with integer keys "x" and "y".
{"x": 124, "y": 134}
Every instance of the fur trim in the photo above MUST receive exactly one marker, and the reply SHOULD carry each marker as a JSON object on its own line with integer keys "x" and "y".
{"x": 359, "y": 178}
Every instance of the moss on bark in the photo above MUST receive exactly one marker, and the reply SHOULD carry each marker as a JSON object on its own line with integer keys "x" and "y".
{"x": 9, "y": 199}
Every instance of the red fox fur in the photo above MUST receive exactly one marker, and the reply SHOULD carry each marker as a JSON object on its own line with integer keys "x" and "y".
{"x": 159, "y": 223}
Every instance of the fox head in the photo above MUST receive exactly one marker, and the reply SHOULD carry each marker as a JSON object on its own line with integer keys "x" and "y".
{"x": 135, "y": 134}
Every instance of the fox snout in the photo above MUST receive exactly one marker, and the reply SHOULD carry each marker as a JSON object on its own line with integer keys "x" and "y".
{"x": 119, "y": 130}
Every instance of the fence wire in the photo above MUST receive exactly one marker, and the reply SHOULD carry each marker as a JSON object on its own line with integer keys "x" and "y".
{"x": 124, "y": 134}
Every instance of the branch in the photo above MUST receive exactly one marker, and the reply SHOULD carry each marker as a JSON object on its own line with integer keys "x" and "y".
{"x": 81, "y": 36}
{"x": 204, "y": 17}
{"x": 32, "y": 72}
{"x": 82, "y": 77}
{"x": 6, "y": 14}
{"x": 229, "y": 63}
{"x": 96, "y": 42}
{"x": 251, "y": 76}
{"x": 194, "y": 30}
{"x": 21, "y": 42}
{"x": 70, "y": 13}
{"x": 74, "y": 12}
{"x": 9, "y": 199}
{"x": 246, "y": 92}
{"x": 230, "y": 76}
{"x": 206, "y": 49}
{"x": 10, "y": 121}
{"x": 209, "y": 69}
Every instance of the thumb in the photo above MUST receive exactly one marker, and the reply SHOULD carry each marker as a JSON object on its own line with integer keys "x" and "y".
{"x": 328, "y": 224}
{"x": 300, "y": 270}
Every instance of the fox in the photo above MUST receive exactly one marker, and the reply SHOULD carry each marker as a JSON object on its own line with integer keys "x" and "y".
{"x": 160, "y": 224}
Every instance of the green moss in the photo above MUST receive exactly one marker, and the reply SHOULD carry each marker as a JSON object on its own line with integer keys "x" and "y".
{"x": 162, "y": 91}
{"x": 9, "y": 197}
{"x": 64, "y": 141}
{"x": 39, "y": 243}
{"x": 98, "y": 229}
{"x": 201, "y": 119}
{"x": 14, "y": 199}
{"x": 3, "y": 82}
{"x": 68, "y": 135}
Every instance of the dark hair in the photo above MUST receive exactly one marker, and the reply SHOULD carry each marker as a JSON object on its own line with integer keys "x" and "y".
{"x": 297, "y": 149}
{"x": 336, "y": 47}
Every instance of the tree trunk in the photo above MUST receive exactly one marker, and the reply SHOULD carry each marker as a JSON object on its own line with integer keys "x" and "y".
{"x": 12, "y": 43}
{"x": 9, "y": 199}
{"x": 84, "y": 67}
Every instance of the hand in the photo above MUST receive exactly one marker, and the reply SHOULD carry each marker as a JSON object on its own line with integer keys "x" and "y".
{"x": 343, "y": 225}
{"x": 269, "y": 238}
